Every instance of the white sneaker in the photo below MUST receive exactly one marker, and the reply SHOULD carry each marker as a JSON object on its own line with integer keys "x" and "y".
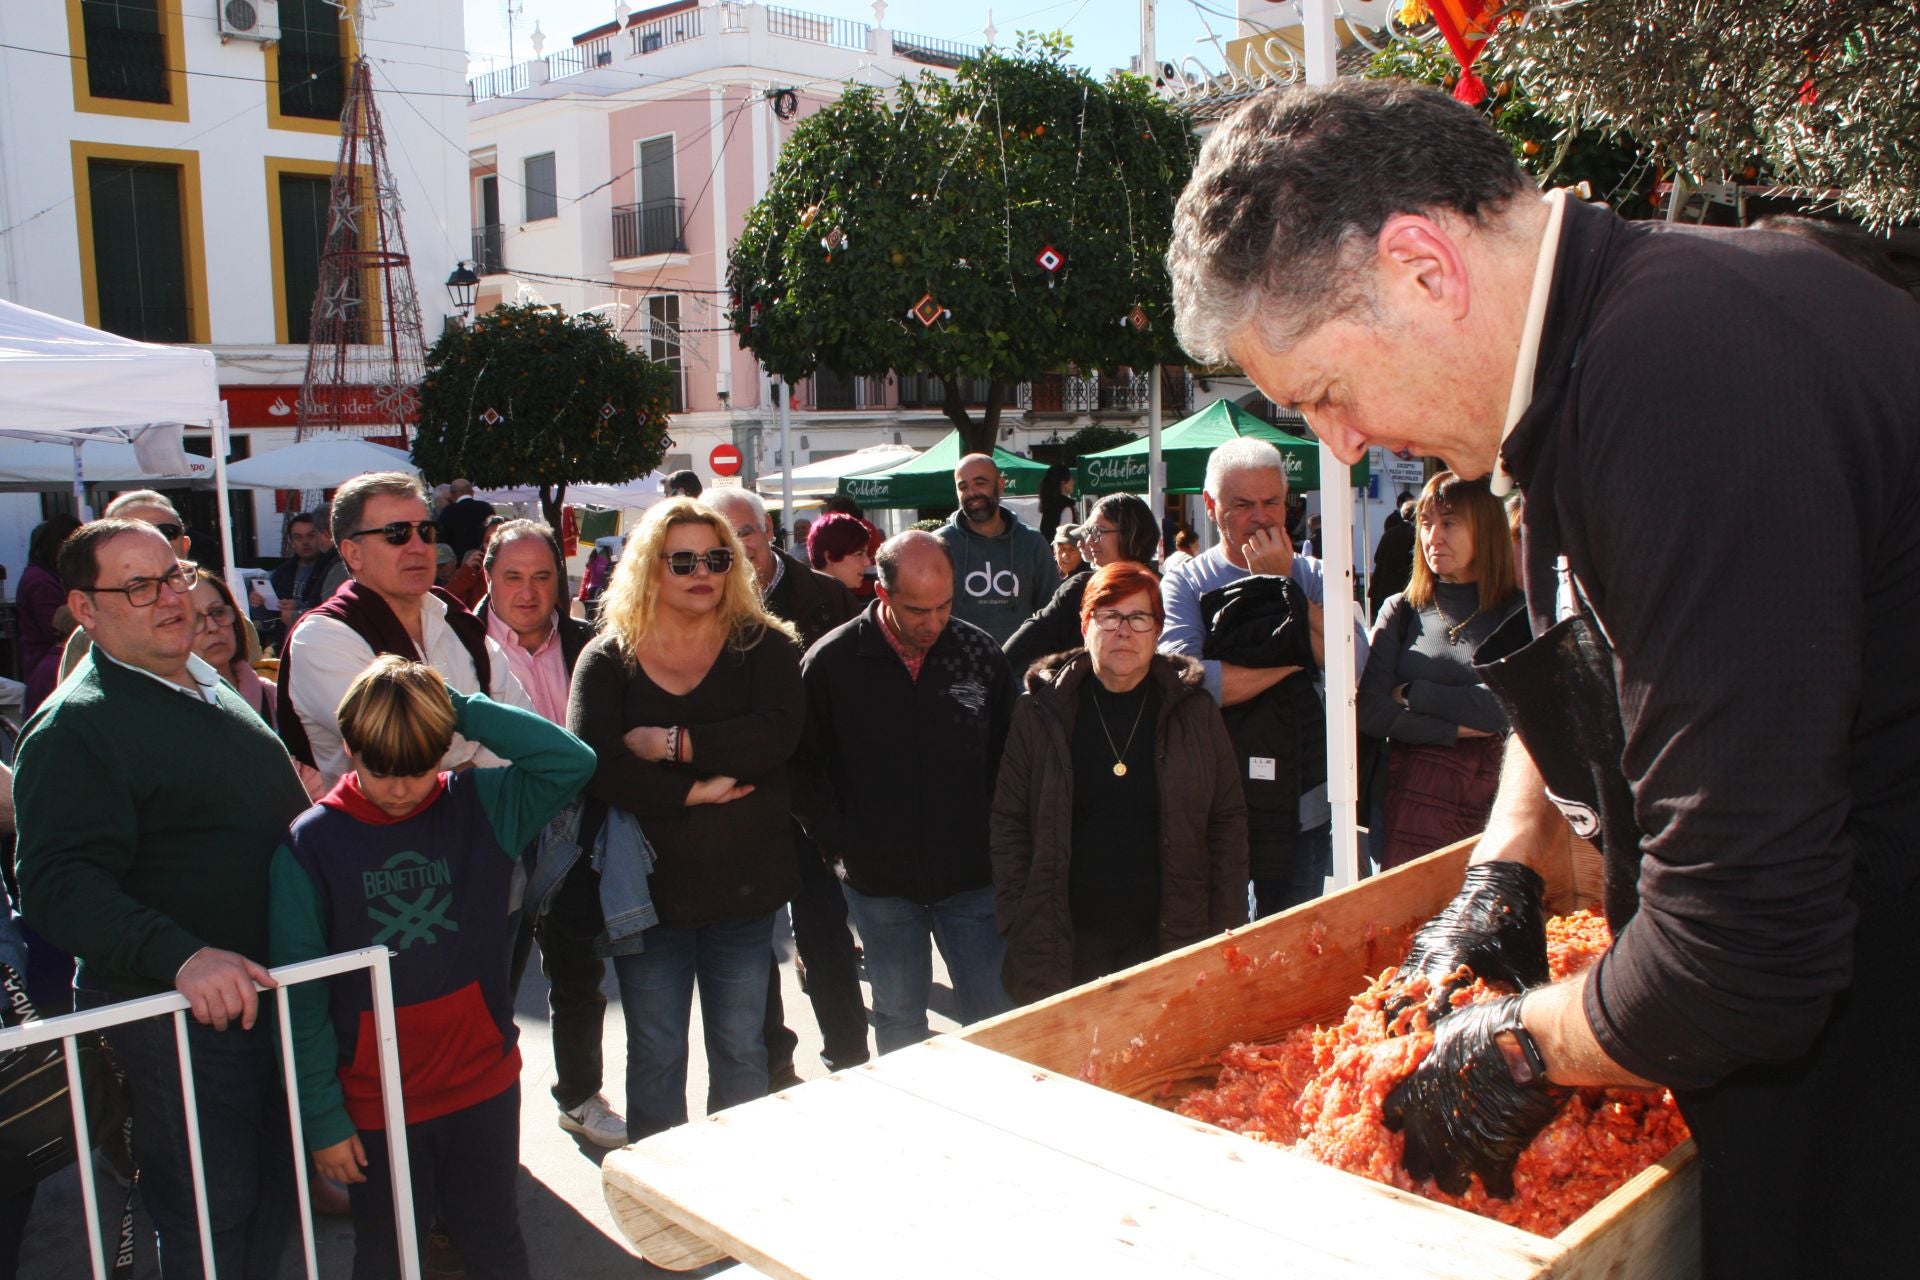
{"x": 597, "y": 1122}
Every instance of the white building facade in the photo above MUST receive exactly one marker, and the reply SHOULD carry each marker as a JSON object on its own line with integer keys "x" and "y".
{"x": 163, "y": 175}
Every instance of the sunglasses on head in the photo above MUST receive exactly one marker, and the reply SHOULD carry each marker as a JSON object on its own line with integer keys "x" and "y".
{"x": 681, "y": 563}
{"x": 170, "y": 531}
{"x": 401, "y": 532}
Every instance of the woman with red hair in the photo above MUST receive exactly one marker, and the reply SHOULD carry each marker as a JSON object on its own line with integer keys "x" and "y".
{"x": 1119, "y": 827}
{"x": 843, "y": 547}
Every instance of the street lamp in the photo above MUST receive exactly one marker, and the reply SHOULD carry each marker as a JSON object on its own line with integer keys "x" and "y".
{"x": 460, "y": 287}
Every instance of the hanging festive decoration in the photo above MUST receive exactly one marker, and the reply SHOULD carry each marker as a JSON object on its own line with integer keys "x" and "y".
{"x": 492, "y": 416}
{"x": 928, "y": 312}
{"x": 1138, "y": 318}
{"x": 1050, "y": 259}
{"x": 1467, "y": 25}
{"x": 834, "y": 241}
{"x": 606, "y": 411}
{"x": 806, "y": 218}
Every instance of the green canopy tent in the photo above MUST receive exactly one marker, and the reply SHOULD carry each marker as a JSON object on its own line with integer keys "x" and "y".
{"x": 927, "y": 481}
{"x": 1186, "y": 445}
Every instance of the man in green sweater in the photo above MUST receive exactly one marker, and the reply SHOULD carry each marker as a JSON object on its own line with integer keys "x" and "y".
{"x": 149, "y": 801}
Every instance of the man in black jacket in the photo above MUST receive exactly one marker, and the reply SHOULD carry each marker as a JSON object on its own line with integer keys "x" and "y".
{"x": 1369, "y": 252}
{"x": 1392, "y": 557}
{"x": 526, "y": 581}
{"x": 816, "y": 604}
{"x": 907, "y": 713}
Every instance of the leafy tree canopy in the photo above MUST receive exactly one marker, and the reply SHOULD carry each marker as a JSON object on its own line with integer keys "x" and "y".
{"x": 1820, "y": 94}
{"x": 528, "y": 395}
{"x": 949, "y": 190}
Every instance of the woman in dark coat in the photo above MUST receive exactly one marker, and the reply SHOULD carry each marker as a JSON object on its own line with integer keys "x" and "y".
{"x": 1119, "y": 528}
{"x": 1119, "y": 828}
{"x": 691, "y": 698}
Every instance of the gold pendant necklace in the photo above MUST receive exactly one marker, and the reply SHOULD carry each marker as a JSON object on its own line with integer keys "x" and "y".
{"x": 1454, "y": 629}
{"x": 1120, "y": 755}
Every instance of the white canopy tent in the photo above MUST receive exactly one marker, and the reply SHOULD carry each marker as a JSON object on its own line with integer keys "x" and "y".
{"x": 64, "y": 383}
{"x": 323, "y": 462}
{"x": 818, "y": 479}
{"x": 37, "y": 464}
{"x": 634, "y": 495}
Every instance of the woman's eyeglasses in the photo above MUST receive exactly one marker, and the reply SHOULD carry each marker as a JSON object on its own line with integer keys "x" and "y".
{"x": 401, "y": 532}
{"x": 681, "y": 563}
{"x": 1092, "y": 534}
{"x": 1112, "y": 619}
{"x": 218, "y": 617}
{"x": 170, "y": 531}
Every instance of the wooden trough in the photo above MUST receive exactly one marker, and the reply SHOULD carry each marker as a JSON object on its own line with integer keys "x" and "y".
{"x": 1021, "y": 1147}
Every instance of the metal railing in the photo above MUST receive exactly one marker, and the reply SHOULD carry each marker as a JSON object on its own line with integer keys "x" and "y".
{"x": 489, "y": 243}
{"x": 130, "y": 65}
{"x": 1106, "y": 393}
{"x": 69, "y": 1026}
{"x": 657, "y": 226}
{"x": 923, "y": 391}
{"x": 932, "y": 50}
{"x": 675, "y": 28}
{"x": 830, "y": 389}
{"x": 500, "y": 83}
{"x": 579, "y": 58}
{"x": 841, "y": 33}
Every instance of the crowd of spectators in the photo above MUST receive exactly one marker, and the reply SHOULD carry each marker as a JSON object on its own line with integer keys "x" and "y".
{"x": 1040, "y": 757}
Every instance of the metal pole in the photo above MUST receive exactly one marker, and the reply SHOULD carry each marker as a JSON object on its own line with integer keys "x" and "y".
{"x": 83, "y": 1143}
{"x": 1156, "y": 468}
{"x": 786, "y": 459}
{"x": 393, "y": 1110}
{"x": 1336, "y": 513}
{"x": 222, "y": 441}
{"x": 80, "y": 507}
{"x": 196, "y": 1160}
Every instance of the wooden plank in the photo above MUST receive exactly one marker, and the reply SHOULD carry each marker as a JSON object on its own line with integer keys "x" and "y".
{"x": 1649, "y": 1228}
{"x": 850, "y": 1178}
{"x": 1313, "y": 1210}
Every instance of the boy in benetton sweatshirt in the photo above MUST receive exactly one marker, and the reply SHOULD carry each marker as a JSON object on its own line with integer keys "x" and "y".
{"x": 402, "y": 856}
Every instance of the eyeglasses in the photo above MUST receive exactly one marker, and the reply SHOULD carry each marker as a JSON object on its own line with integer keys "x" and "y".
{"x": 143, "y": 592}
{"x": 170, "y": 531}
{"x": 401, "y": 532}
{"x": 681, "y": 563}
{"x": 217, "y": 617}
{"x": 1111, "y": 619}
{"x": 1093, "y": 534}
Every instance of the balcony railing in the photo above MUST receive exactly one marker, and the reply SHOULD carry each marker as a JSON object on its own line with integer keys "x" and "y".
{"x": 841, "y": 33}
{"x": 578, "y": 58}
{"x": 658, "y": 226}
{"x": 488, "y": 241}
{"x": 675, "y": 28}
{"x": 834, "y": 390}
{"x": 933, "y": 51}
{"x": 922, "y": 391}
{"x": 124, "y": 64}
{"x": 500, "y": 83}
{"x": 1120, "y": 392}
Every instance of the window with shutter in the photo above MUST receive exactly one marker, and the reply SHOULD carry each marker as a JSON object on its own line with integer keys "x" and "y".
{"x": 126, "y": 50}
{"x": 541, "y": 192}
{"x": 313, "y": 64}
{"x": 663, "y": 343}
{"x": 303, "y": 232}
{"x": 139, "y": 250}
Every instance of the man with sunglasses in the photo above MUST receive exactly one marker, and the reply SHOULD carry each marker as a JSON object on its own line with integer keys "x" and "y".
{"x": 386, "y": 537}
{"x": 124, "y": 861}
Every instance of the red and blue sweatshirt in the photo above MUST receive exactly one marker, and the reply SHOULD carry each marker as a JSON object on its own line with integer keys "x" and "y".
{"x": 432, "y": 887}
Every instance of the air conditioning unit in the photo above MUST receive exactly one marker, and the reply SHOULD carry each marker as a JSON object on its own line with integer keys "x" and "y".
{"x": 257, "y": 20}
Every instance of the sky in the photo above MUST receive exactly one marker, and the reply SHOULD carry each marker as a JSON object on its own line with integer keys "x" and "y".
{"x": 1106, "y": 33}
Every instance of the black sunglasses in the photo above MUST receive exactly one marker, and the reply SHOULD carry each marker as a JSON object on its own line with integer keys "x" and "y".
{"x": 170, "y": 531}
{"x": 401, "y": 532}
{"x": 681, "y": 563}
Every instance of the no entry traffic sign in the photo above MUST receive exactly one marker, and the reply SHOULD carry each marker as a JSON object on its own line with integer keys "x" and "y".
{"x": 725, "y": 460}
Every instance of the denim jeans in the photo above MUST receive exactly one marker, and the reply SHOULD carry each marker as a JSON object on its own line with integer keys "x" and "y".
{"x": 463, "y": 1168}
{"x": 895, "y": 933}
{"x": 728, "y": 961}
{"x": 244, "y": 1143}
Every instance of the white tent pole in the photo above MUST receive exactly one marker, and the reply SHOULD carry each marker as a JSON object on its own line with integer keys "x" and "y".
{"x": 1156, "y": 468}
{"x": 786, "y": 461}
{"x": 222, "y": 514}
{"x": 1336, "y": 512}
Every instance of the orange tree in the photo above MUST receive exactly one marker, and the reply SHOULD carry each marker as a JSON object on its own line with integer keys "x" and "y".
{"x": 1005, "y": 223}
{"x": 529, "y": 395}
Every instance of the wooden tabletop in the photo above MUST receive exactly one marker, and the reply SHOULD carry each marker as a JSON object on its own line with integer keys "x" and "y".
{"x": 950, "y": 1160}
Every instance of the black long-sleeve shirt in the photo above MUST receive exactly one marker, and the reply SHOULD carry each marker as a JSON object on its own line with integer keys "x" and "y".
{"x": 1724, "y": 443}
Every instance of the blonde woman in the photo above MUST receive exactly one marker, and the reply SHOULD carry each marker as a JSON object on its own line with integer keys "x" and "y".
{"x": 691, "y": 699}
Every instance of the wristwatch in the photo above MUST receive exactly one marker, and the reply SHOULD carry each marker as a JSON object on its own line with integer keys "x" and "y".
{"x": 1521, "y": 1053}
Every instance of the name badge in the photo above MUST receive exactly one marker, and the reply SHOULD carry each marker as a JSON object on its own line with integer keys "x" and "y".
{"x": 1260, "y": 768}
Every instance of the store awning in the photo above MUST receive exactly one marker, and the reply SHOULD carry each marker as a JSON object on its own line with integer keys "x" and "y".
{"x": 927, "y": 481}
{"x": 1187, "y": 444}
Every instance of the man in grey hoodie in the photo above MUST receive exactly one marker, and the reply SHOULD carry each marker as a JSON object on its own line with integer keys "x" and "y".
{"x": 1003, "y": 571}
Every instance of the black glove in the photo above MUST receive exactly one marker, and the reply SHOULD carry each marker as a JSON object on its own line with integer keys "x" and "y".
{"x": 1496, "y": 926}
{"x": 1466, "y": 1109}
